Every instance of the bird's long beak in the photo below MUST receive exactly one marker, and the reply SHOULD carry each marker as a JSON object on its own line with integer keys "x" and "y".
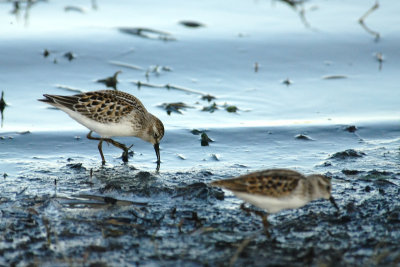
{"x": 157, "y": 149}
{"x": 332, "y": 200}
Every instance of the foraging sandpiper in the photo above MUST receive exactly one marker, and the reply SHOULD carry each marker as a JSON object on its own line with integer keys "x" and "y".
{"x": 111, "y": 113}
{"x": 276, "y": 189}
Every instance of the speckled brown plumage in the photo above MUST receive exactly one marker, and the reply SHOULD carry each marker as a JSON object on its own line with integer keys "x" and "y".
{"x": 272, "y": 183}
{"x": 102, "y": 106}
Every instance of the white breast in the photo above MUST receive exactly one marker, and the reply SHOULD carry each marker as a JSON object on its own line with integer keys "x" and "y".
{"x": 105, "y": 130}
{"x": 271, "y": 204}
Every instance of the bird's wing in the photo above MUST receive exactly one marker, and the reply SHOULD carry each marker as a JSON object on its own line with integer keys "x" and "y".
{"x": 104, "y": 106}
{"x": 273, "y": 183}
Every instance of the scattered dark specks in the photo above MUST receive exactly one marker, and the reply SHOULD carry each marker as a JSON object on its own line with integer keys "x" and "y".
{"x": 367, "y": 189}
{"x": 381, "y": 191}
{"x": 110, "y": 200}
{"x": 70, "y": 56}
{"x": 5, "y": 175}
{"x": 3, "y": 103}
{"x": 213, "y": 107}
{"x": 303, "y": 137}
{"x": 351, "y": 128}
{"x": 209, "y": 98}
{"x": 349, "y": 153}
{"x": 46, "y": 53}
{"x": 394, "y": 216}
{"x": 375, "y": 174}
{"x": 75, "y": 9}
{"x": 219, "y": 194}
{"x": 287, "y": 82}
{"x": 182, "y": 157}
{"x": 334, "y": 77}
{"x": 196, "y": 132}
{"x": 216, "y": 157}
{"x": 350, "y": 207}
{"x": 98, "y": 249}
{"x": 76, "y": 166}
{"x": 110, "y": 187}
{"x": 256, "y": 67}
{"x": 351, "y": 172}
{"x": 191, "y": 24}
{"x": 326, "y": 164}
{"x": 205, "y": 140}
{"x": 143, "y": 175}
{"x": 206, "y": 173}
{"x": 231, "y": 109}
{"x": 110, "y": 81}
{"x": 380, "y": 58}
{"x": 345, "y": 219}
{"x": 148, "y": 33}
{"x": 174, "y": 107}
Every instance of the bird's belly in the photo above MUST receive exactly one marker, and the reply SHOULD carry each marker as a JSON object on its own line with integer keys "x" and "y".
{"x": 271, "y": 204}
{"x": 109, "y": 129}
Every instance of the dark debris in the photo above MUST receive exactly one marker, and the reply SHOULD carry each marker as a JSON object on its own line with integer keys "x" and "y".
{"x": 70, "y": 56}
{"x": 349, "y": 153}
{"x": 110, "y": 81}
{"x": 205, "y": 140}
{"x": 175, "y": 107}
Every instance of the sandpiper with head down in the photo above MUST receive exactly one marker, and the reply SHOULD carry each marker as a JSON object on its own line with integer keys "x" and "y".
{"x": 276, "y": 189}
{"x": 111, "y": 113}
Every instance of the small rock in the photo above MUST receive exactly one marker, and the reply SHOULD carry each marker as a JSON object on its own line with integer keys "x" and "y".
{"x": 351, "y": 172}
{"x": 76, "y": 166}
{"x": 287, "y": 82}
{"x": 70, "y": 56}
{"x": 303, "y": 137}
{"x": 231, "y": 109}
{"x": 349, "y": 153}
{"x": 205, "y": 140}
{"x": 351, "y": 128}
{"x": 213, "y": 107}
{"x": 46, "y": 53}
{"x": 196, "y": 132}
{"x": 209, "y": 98}
{"x": 191, "y": 24}
{"x": 110, "y": 81}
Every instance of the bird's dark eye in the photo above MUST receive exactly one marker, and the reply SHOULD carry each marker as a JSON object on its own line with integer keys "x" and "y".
{"x": 328, "y": 188}
{"x": 155, "y": 135}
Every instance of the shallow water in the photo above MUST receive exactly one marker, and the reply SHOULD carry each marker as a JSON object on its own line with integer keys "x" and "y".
{"x": 58, "y": 204}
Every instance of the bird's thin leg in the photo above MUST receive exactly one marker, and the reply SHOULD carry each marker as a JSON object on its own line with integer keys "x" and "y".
{"x": 114, "y": 143}
{"x": 103, "y": 160}
{"x": 260, "y": 214}
{"x": 264, "y": 217}
{"x": 121, "y": 146}
{"x": 89, "y": 136}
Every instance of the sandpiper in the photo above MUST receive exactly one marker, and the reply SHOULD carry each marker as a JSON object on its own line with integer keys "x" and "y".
{"x": 276, "y": 189}
{"x": 111, "y": 113}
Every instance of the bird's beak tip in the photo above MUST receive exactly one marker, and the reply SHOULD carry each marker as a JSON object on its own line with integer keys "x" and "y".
{"x": 157, "y": 149}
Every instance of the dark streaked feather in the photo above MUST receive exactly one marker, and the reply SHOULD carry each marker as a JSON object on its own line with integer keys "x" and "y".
{"x": 273, "y": 182}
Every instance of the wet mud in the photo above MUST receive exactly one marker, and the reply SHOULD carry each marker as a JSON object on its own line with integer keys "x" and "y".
{"x": 75, "y": 212}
